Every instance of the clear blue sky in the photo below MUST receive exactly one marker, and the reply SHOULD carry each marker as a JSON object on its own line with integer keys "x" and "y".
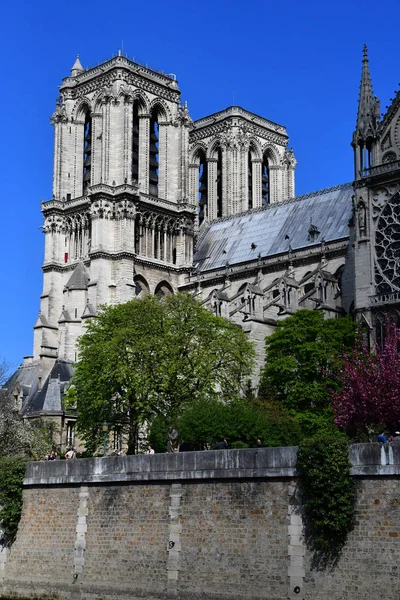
{"x": 296, "y": 62}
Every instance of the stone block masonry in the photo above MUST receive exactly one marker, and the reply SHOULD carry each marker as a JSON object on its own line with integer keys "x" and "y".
{"x": 198, "y": 525}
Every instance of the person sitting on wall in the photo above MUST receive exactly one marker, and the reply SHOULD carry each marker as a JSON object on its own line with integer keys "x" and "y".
{"x": 382, "y": 439}
{"x": 71, "y": 453}
{"x": 223, "y": 445}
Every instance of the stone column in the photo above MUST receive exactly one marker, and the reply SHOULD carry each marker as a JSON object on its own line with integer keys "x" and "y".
{"x": 194, "y": 183}
{"x": 212, "y": 164}
{"x": 163, "y": 160}
{"x": 97, "y": 147}
{"x": 257, "y": 182}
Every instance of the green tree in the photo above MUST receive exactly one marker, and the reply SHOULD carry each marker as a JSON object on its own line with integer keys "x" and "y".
{"x": 149, "y": 357}
{"x": 302, "y": 357}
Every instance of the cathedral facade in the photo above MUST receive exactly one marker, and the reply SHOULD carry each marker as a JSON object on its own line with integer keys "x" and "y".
{"x": 145, "y": 200}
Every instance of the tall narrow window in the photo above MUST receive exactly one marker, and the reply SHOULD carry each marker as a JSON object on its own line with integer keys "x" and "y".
{"x": 265, "y": 181}
{"x": 87, "y": 152}
{"x": 202, "y": 187}
{"x": 250, "y": 182}
{"x": 153, "y": 155}
{"x": 135, "y": 142}
{"x": 219, "y": 183}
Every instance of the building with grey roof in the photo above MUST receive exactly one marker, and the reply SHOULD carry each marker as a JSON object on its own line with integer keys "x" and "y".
{"x": 147, "y": 201}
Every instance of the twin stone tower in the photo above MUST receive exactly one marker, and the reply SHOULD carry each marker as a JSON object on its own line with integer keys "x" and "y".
{"x": 145, "y": 200}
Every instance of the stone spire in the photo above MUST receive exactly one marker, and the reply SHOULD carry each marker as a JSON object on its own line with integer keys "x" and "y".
{"x": 368, "y": 107}
{"x": 77, "y": 67}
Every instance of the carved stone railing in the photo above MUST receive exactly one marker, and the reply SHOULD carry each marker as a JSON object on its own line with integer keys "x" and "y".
{"x": 378, "y": 169}
{"x": 391, "y": 298}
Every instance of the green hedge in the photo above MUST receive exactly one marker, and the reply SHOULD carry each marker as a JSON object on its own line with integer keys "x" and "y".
{"x": 328, "y": 488}
{"x": 12, "y": 472}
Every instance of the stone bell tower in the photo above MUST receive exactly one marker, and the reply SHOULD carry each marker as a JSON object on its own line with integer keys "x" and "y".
{"x": 119, "y": 222}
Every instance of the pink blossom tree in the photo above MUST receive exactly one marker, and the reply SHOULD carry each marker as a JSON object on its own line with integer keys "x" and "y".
{"x": 369, "y": 397}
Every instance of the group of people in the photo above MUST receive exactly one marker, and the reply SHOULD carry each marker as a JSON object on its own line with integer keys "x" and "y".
{"x": 186, "y": 447}
{"x": 53, "y": 454}
{"x": 384, "y": 438}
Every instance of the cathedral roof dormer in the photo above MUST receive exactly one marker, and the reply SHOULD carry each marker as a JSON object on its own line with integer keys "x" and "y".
{"x": 368, "y": 106}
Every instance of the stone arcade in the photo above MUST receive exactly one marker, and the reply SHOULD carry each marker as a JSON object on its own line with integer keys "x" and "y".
{"x": 146, "y": 200}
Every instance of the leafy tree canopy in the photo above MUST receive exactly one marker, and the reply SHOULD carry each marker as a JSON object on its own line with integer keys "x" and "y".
{"x": 302, "y": 356}
{"x": 149, "y": 357}
{"x": 369, "y": 394}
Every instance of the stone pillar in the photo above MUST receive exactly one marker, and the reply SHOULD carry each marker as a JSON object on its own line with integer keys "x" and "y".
{"x": 97, "y": 148}
{"x": 163, "y": 160}
{"x": 57, "y": 165}
{"x": 78, "y": 160}
{"x": 274, "y": 184}
{"x": 194, "y": 183}
{"x": 212, "y": 164}
{"x": 257, "y": 182}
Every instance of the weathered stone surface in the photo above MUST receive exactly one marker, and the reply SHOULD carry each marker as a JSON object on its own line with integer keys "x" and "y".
{"x": 234, "y": 536}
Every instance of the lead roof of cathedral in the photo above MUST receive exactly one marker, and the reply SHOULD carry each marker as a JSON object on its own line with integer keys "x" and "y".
{"x": 238, "y": 111}
{"x": 302, "y": 222}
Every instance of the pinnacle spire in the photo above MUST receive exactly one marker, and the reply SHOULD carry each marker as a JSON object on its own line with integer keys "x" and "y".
{"x": 77, "y": 67}
{"x": 368, "y": 105}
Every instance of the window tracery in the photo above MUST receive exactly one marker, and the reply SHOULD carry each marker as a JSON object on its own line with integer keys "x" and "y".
{"x": 387, "y": 247}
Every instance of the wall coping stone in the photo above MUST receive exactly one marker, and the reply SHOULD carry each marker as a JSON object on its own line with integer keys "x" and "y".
{"x": 367, "y": 459}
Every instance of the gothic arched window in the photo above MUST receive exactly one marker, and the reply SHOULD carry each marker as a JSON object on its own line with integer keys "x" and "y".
{"x": 265, "y": 181}
{"x": 202, "y": 190}
{"x": 153, "y": 153}
{"x": 219, "y": 183}
{"x": 87, "y": 151}
{"x": 250, "y": 182}
{"x": 135, "y": 142}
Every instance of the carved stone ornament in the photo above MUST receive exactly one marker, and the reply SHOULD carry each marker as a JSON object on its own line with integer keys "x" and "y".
{"x": 60, "y": 114}
{"x": 387, "y": 247}
{"x": 125, "y": 210}
{"x": 362, "y": 218}
{"x": 289, "y": 159}
{"x": 243, "y": 137}
{"x": 183, "y": 116}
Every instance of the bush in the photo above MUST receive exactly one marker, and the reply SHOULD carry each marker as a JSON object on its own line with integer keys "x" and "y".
{"x": 328, "y": 488}
{"x": 203, "y": 424}
{"x": 12, "y": 472}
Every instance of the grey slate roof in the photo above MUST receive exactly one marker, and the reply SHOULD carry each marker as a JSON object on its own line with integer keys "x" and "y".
{"x": 275, "y": 229}
{"x": 79, "y": 279}
{"x": 49, "y": 398}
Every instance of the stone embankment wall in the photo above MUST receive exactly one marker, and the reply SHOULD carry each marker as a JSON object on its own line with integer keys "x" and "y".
{"x": 198, "y": 525}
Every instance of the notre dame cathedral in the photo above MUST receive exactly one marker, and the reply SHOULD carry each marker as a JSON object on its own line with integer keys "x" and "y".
{"x": 145, "y": 200}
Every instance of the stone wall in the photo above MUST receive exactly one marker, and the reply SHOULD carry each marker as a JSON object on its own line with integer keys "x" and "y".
{"x": 222, "y": 524}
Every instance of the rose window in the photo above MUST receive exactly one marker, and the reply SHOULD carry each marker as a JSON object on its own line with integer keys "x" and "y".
{"x": 387, "y": 247}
